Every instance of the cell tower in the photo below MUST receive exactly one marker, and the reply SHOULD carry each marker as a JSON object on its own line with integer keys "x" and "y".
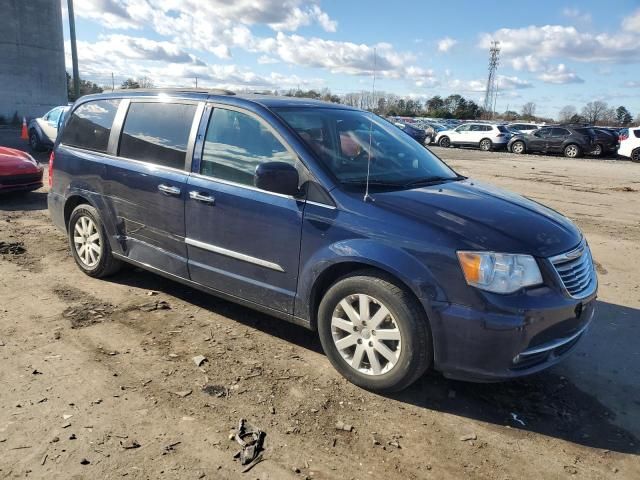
{"x": 491, "y": 92}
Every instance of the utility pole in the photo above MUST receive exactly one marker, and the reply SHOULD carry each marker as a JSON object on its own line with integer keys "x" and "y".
{"x": 113, "y": 82}
{"x": 491, "y": 91}
{"x": 196, "y": 82}
{"x": 74, "y": 50}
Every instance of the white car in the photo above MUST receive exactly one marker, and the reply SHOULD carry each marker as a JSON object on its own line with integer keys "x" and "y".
{"x": 630, "y": 144}
{"x": 483, "y": 135}
{"x": 44, "y": 130}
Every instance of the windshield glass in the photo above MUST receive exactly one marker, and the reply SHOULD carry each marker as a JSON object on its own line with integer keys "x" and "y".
{"x": 343, "y": 139}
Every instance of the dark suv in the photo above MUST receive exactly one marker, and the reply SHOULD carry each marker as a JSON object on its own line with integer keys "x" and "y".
{"x": 328, "y": 217}
{"x": 570, "y": 141}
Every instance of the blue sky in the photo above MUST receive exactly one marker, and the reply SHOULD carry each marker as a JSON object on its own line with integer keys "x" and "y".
{"x": 553, "y": 53}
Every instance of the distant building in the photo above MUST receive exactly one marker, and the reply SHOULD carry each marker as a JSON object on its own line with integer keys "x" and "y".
{"x": 32, "y": 70}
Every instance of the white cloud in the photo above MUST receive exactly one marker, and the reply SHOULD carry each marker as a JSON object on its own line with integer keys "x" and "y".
{"x": 505, "y": 83}
{"x": 267, "y": 60}
{"x": 559, "y": 75}
{"x": 512, "y": 83}
{"x": 446, "y": 44}
{"x": 632, "y": 84}
{"x": 556, "y": 41}
{"x": 577, "y": 14}
{"x": 631, "y": 23}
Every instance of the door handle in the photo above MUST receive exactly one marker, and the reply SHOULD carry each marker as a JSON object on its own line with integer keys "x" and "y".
{"x": 202, "y": 198}
{"x": 169, "y": 190}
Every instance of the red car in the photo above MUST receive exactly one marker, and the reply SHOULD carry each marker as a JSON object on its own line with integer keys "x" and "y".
{"x": 18, "y": 171}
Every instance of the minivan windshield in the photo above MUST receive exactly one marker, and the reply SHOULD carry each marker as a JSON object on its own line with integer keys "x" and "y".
{"x": 344, "y": 140}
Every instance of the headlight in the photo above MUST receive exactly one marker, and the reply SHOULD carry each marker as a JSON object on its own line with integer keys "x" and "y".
{"x": 499, "y": 272}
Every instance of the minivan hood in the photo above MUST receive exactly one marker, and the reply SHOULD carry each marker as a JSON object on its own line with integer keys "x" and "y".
{"x": 484, "y": 217}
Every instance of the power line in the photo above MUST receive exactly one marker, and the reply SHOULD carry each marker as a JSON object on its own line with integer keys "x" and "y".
{"x": 491, "y": 92}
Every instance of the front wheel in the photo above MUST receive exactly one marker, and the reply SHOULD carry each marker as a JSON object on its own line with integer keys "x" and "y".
{"x": 572, "y": 151}
{"x": 635, "y": 155}
{"x": 374, "y": 332}
{"x": 89, "y": 244}
{"x": 445, "y": 142}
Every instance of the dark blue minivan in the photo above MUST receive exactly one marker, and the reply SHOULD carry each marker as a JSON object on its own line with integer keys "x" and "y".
{"x": 328, "y": 217}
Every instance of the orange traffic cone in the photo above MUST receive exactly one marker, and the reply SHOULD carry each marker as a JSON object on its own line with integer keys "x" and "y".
{"x": 24, "y": 135}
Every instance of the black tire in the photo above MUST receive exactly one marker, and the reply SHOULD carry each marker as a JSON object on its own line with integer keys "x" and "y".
{"x": 598, "y": 151}
{"x": 518, "y": 143}
{"x": 485, "y": 145}
{"x": 635, "y": 155}
{"x": 416, "y": 353}
{"x": 106, "y": 264}
{"x": 569, "y": 149}
{"x": 444, "y": 142}
{"x": 34, "y": 141}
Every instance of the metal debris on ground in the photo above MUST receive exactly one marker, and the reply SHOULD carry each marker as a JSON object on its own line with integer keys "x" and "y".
{"x": 199, "y": 360}
{"x": 15, "y": 248}
{"x": 151, "y": 306}
{"x": 216, "y": 390}
{"x": 251, "y": 440}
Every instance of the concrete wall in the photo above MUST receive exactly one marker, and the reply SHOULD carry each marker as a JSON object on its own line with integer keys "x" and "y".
{"x": 32, "y": 70}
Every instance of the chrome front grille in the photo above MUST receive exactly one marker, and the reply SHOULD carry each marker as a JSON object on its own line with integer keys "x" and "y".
{"x": 576, "y": 271}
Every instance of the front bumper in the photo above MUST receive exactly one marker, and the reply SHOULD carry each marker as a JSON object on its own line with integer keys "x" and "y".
{"x": 15, "y": 184}
{"x": 484, "y": 346}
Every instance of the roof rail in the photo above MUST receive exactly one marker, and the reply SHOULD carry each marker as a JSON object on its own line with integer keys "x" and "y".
{"x": 210, "y": 91}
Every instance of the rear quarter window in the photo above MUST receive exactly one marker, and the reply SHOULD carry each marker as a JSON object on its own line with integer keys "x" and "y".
{"x": 90, "y": 124}
{"x": 637, "y": 133}
{"x": 503, "y": 129}
{"x": 157, "y": 133}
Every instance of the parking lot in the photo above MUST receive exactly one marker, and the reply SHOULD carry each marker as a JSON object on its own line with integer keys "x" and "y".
{"x": 99, "y": 382}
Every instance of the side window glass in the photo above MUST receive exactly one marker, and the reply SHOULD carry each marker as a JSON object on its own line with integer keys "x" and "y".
{"x": 560, "y": 132}
{"x": 463, "y": 128}
{"x": 157, "y": 133}
{"x": 90, "y": 125}
{"x": 235, "y": 144}
{"x": 544, "y": 132}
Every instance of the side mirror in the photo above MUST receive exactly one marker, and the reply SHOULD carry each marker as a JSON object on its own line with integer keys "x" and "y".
{"x": 277, "y": 177}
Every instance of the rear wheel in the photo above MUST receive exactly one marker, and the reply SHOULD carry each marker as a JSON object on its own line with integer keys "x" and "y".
{"x": 445, "y": 142}
{"x": 598, "y": 150}
{"x": 485, "y": 145}
{"x": 518, "y": 147}
{"x": 635, "y": 155}
{"x": 34, "y": 141}
{"x": 89, "y": 244}
{"x": 572, "y": 151}
{"x": 374, "y": 332}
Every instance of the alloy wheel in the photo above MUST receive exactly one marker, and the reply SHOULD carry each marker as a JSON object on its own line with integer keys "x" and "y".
{"x": 598, "y": 150}
{"x": 485, "y": 145}
{"x": 366, "y": 335}
{"x": 517, "y": 147}
{"x": 571, "y": 151}
{"x": 86, "y": 241}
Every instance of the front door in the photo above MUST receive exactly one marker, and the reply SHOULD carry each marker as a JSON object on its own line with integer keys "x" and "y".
{"x": 538, "y": 140}
{"x": 241, "y": 240}
{"x": 555, "y": 142}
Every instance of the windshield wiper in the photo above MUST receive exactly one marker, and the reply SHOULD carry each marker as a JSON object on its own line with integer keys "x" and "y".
{"x": 378, "y": 183}
{"x": 432, "y": 181}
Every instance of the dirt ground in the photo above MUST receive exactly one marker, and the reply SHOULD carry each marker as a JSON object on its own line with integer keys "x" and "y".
{"x": 95, "y": 382}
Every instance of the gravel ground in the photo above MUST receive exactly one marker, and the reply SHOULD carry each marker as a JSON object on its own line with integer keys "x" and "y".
{"x": 98, "y": 379}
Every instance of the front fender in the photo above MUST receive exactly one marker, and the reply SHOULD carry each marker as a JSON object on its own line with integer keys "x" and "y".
{"x": 366, "y": 252}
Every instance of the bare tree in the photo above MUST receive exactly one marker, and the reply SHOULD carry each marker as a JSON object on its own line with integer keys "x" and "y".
{"x": 566, "y": 113}
{"x": 528, "y": 110}
{"x": 146, "y": 82}
{"x": 593, "y": 112}
{"x": 609, "y": 116}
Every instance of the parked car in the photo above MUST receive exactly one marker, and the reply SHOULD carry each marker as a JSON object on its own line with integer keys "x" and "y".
{"x": 18, "y": 171}
{"x": 431, "y": 129}
{"x": 630, "y": 144}
{"x": 483, "y": 135}
{"x": 328, "y": 217}
{"x": 43, "y": 131}
{"x": 418, "y": 134}
{"x": 523, "y": 127}
{"x": 572, "y": 142}
{"x": 606, "y": 142}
